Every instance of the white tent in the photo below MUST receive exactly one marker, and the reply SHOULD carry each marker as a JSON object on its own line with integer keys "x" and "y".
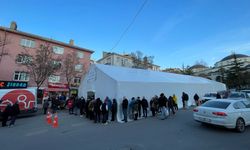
{"x": 116, "y": 82}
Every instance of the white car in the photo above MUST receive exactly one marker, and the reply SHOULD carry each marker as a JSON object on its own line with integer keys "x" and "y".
{"x": 232, "y": 114}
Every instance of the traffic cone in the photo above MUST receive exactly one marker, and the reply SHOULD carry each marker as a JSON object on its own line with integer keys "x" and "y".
{"x": 55, "y": 122}
{"x": 49, "y": 118}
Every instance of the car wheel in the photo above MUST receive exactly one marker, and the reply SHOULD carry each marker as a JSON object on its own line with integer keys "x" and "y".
{"x": 240, "y": 125}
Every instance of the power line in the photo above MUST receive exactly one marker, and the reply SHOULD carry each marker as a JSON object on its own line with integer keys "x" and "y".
{"x": 131, "y": 23}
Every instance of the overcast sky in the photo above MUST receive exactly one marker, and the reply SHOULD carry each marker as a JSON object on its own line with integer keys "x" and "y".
{"x": 175, "y": 32}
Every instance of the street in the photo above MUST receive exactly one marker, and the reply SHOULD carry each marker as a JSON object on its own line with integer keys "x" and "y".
{"x": 177, "y": 133}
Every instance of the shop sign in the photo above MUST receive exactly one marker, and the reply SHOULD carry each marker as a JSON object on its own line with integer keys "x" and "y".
{"x": 13, "y": 85}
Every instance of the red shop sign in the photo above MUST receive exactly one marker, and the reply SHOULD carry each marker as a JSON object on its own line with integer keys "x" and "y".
{"x": 58, "y": 85}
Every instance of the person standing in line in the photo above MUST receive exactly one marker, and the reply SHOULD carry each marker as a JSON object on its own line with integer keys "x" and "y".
{"x": 175, "y": 102}
{"x": 14, "y": 113}
{"x": 136, "y": 109}
{"x": 171, "y": 105}
{"x": 109, "y": 104}
{"x": 196, "y": 99}
{"x": 104, "y": 109}
{"x": 81, "y": 105}
{"x": 145, "y": 107}
{"x": 114, "y": 109}
{"x": 70, "y": 105}
{"x": 125, "y": 109}
{"x": 163, "y": 105}
{"x": 139, "y": 106}
{"x": 185, "y": 100}
{"x": 45, "y": 106}
{"x": 97, "y": 110}
{"x": 131, "y": 108}
{"x": 6, "y": 113}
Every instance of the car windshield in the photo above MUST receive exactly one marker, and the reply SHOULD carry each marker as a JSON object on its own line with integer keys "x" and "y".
{"x": 216, "y": 104}
{"x": 236, "y": 95}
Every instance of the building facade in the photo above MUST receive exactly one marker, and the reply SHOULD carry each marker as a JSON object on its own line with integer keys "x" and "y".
{"x": 215, "y": 72}
{"x": 14, "y": 42}
{"x": 125, "y": 60}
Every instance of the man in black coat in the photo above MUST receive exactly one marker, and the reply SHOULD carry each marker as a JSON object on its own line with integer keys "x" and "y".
{"x": 114, "y": 109}
{"x": 125, "y": 109}
{"x": 144, "y": 107}
{"x": 6, "y": 113}
{"x": 15, "y": 111}
{"x": 196, "y": 99}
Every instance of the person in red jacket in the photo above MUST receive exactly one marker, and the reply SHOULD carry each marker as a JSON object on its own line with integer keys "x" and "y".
{"x": 70, "y": 105}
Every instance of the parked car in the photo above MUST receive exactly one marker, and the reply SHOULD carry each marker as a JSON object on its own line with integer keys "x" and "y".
{"x": 208, "y": 96}
{"x": 239, "y": 95}
{"x": 246, "y": 91}
{"x": 229, "y": 113}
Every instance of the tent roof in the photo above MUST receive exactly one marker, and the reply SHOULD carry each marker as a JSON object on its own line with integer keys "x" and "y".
{"x": 140, "y": 75}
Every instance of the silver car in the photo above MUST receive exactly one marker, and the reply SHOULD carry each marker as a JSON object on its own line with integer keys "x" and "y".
{"x": 239, "y": 95}
{"x": 232, "y": 114}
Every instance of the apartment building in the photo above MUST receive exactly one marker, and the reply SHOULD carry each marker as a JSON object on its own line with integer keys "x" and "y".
{"x": 11, "y": 58}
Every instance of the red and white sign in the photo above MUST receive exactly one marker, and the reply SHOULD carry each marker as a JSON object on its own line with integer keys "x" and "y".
{"x": 26, "y": 98}
{"x": 58, "y": 85}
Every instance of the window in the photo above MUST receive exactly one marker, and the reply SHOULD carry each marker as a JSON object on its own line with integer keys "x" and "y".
{"x": 57, "y": 63}
{"x": 54, "y": 78}
{"x": 78, "y": 67}
{"x": 21, "y": 76}
{"x": 80, "y": 54}
{"x": 58, "y": 50}
{"x": 108, "y": 61}
{"x": 216, "y": 104}
{"x": 23, "y": 58}
{"x": 27, "y": 43}
{"x": 77, "y": 80}
{"x": 239, "y": 105}
{"x": 247, "y": 103}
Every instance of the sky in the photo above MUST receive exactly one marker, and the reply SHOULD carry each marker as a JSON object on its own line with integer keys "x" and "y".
{"x": 175, "y": 32}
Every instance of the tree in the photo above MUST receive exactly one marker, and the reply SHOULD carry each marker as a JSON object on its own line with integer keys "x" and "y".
{"x": 69, "y": 67}
{"x": 235, "y": 74}
{"x": 41, "y": 65}
{"x": 4, "y": 41}
{"x": 187, "y": 70}
{"x": 201, "y": 62}
{"x": 141, "y": 61}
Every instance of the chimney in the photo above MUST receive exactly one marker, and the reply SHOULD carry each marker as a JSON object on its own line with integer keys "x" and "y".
{"x": 13, "y": 25}
{"x": 71, "y": 42}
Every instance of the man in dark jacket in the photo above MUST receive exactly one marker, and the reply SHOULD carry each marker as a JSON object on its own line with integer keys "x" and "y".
{"x": 81, "y": 105}
{"x": 162, "y": 105}
{"x": 125, "y": 109}
{"x": 6, "y": 113}
{"x": 144, "y": 107}
{"x": 171, "y": 104}
{"x": 196, "y": 99}
{"x": 15, "y": 111}
{"x": 114, "y": 109}
{"x": 184, "y": 100}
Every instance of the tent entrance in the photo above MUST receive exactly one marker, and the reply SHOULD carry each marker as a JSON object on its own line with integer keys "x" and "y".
{"x": 91, "y": 95}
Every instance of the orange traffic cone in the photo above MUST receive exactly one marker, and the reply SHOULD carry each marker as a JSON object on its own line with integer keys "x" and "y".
{"x": 55, "y": 122}
{"x": 49, "y": 118}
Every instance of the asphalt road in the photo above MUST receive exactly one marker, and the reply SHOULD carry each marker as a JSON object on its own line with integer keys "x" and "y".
{"x": 179, "y": 132}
